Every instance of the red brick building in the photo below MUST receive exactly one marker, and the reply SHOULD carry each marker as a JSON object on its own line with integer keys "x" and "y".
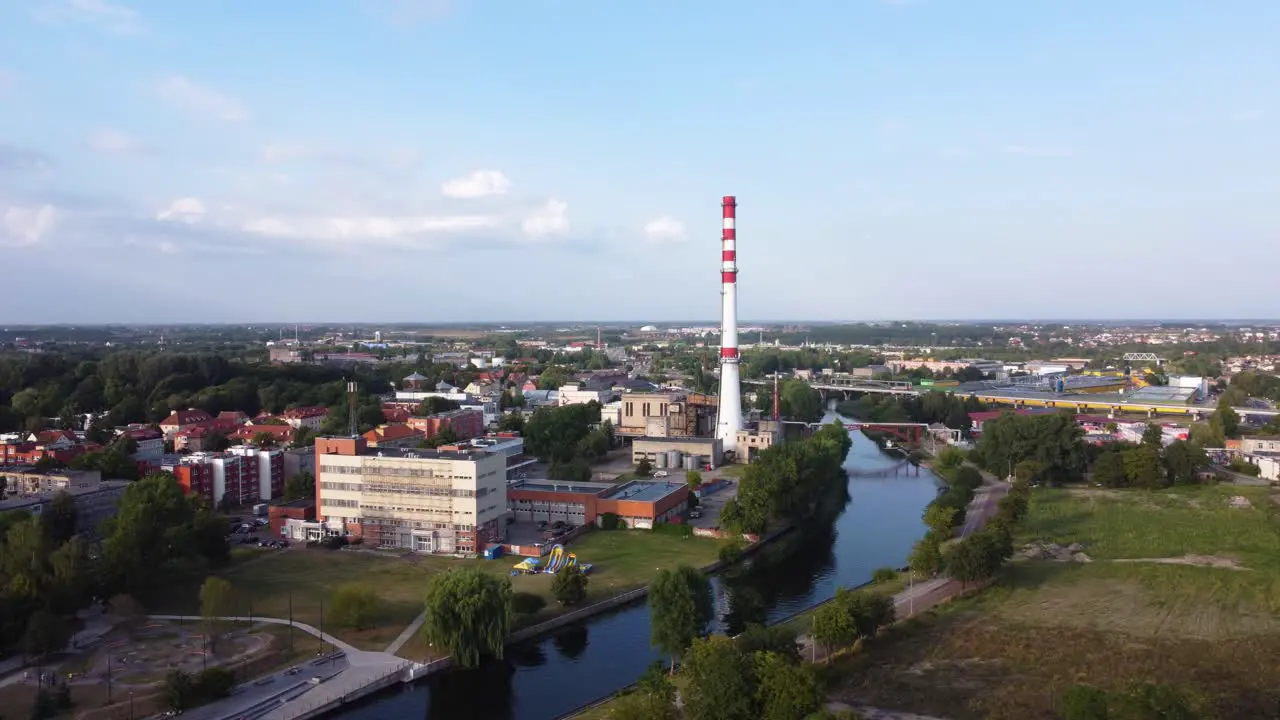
{"x": 277, "y": 515}
{"x": 637, "y": 503}
{"x": 465, "y": 424}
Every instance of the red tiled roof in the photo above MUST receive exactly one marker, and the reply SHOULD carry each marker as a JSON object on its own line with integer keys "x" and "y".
{"x": 186, "y": 417}
{"x": 305, "y": 412}
{"x": 391, "y": 432}
{"x": 249, "y": 432}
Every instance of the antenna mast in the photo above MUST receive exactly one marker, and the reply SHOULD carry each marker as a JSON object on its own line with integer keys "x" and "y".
{"x": 351, "y": 408}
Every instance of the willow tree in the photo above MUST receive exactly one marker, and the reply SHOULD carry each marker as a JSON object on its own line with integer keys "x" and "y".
{"x": 468, "y": 613}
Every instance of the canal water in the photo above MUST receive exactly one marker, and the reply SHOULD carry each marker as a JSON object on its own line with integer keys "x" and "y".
{"x": 546, "y": 678}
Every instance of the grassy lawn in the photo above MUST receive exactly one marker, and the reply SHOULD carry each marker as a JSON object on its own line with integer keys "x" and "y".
{"x": 1013, "y": 650}
{"x": 622, "y": 560}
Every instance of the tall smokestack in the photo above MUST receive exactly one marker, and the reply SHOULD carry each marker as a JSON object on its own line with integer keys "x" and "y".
{"x": 729, "y": 415}
{"x": 776, "y": 414}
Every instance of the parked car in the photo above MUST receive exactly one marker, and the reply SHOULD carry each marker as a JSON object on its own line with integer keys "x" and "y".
{"x": 557, "y": 525}
{"x": 660, "y": 473}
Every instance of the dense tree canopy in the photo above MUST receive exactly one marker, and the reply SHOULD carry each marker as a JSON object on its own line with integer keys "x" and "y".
{"x": 155, "y": 526}
{"x": 1054, "y": 440}
{"x": 788, "y": 480}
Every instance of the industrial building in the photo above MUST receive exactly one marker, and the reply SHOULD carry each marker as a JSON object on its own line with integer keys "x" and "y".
{"x": 428, "y": 501}
{"x": 638, "y": 504}
{"x": 677, "y": 453}
{"x": 666, "y": 414}
{"x": 31, "y": 490}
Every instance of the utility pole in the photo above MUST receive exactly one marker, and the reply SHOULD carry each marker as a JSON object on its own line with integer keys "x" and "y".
{"x": 108, "y": 678}
{"x": 291, "y": 621}
{"x": 322, "y": 626}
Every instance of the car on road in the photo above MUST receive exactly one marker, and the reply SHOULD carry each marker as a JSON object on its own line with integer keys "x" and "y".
{"x": 660, "y": 473}
{"x": 293, "y": 671}
{"x": 315, "y": 680}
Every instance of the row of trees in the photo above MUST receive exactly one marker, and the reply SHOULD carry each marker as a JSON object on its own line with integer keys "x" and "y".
{"x": 934, "y": 406}
{"x": 980, "y": 555}
{"x": 849, "y": 616}
{"x": 570, "y": 437}
{"x": 797, "y": 400}
{"x": 788, "y": 480}
{"x": 1149, "y": 464}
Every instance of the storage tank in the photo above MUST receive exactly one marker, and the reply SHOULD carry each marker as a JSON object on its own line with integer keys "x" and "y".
{"x": 660, "y": 460}
{"x": 674, "y": 457}
{"x": 691, "y": 462}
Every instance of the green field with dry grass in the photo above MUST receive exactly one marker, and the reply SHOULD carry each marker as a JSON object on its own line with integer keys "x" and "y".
{"x": 306, "y": 577}
{"x": 1183, "y": 588}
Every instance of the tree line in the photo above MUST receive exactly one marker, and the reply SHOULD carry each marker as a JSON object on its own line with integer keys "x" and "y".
{"x": 934, "y": 406}
{"x": 569, "y": 437}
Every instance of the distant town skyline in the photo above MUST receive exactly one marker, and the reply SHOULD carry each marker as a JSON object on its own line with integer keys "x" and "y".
{"x": 457, "y": 160}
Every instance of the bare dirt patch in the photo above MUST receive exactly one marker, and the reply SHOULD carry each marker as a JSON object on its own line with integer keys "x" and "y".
{"x": 968, "y": 665}
{"x": 1213, "y": 561}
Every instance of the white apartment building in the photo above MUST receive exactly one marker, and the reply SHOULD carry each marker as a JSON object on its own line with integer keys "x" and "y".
{"x": 575, "y": 394}
{"x": 428, "y": 501}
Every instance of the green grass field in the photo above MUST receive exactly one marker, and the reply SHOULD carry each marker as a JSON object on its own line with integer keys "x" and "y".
{"x": 622, "y": 560}
{"x": 1011, "y": 651}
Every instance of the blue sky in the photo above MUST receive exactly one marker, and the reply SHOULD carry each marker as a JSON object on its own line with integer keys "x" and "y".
{"x": 455, "y": 160}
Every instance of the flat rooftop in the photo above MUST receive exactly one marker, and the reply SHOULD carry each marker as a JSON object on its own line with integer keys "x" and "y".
{"x": 592, "y": 488}
{"x": 685, "y": 439}
{"x": 643, "y": 491}
{"x": 423, "y": 454}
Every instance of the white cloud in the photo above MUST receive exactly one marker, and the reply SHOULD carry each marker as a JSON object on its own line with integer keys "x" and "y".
{"x": 481, "y": 183}
{"x": 664, "y": 229}
{"x": 114, "y": 17}
{"x": 550, "y": 219}
{"x": 373, "y": 229}
{"x": 114, "y": 142}
{"x": 26, "y": 225}
{"x": 198, "y": 99}
{"x": 186, "y": 210}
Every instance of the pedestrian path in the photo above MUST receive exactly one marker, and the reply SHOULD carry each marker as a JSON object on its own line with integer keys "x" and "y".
{"x": 407, "y": 634}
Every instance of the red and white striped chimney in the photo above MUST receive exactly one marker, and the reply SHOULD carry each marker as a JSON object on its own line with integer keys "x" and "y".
{"x": 729, "y": 416}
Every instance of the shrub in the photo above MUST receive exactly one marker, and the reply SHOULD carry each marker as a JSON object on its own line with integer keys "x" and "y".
{"x": 731, "y": 553}
{"x": 570, "y": 586}
{"x": 673, "y": 529}
{"x": 884, "y": 574}
{"x": 609, "y": 521}
{"x": 525, "y": 603}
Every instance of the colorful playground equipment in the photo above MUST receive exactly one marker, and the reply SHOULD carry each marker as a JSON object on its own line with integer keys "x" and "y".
{"x": 557, "y": 560}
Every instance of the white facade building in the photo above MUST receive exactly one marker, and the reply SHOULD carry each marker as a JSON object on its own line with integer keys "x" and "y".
{"x": 421, "y": 500}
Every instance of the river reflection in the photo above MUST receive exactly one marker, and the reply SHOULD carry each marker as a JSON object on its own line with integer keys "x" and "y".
{"x": 547, "y": 678}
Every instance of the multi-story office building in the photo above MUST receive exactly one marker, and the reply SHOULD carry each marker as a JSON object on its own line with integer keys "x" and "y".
{"x": 429, "y": 501}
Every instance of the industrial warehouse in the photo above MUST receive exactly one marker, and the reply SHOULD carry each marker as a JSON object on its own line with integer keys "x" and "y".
{"x": 638, "y": 504}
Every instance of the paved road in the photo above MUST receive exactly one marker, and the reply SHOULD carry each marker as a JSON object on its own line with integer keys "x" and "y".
{"x": 983, "y": 506}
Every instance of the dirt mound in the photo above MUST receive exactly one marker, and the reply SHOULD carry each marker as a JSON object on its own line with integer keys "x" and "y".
{"x": 1054, "y": 552}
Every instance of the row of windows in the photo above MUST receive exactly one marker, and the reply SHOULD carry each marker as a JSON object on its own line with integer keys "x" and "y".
{"x": 393, "y": 508}
{"x": 332, "y": 502}
{"x": 386, "y": 471}
{"x": 435, "y": 491}
{"x": 346, "y": 486}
